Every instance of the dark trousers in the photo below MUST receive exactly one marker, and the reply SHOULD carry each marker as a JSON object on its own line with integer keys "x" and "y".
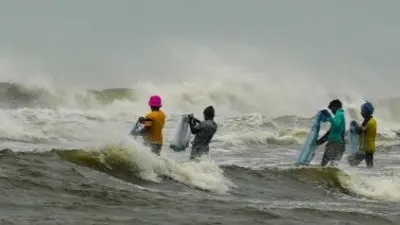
{"x": 333, "y": 152}
{"x": 358, "y": 157}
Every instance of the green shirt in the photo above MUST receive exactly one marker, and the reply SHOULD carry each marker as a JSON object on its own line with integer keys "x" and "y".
{"x": 338, "y": 126}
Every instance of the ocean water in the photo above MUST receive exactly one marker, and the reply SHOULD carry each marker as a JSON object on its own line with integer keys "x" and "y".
{"x": 77, "y": 165}
{"x": 76, "y": 75}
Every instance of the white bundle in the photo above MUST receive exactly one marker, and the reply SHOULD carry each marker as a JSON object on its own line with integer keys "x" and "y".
{"x": 182, "y": 136}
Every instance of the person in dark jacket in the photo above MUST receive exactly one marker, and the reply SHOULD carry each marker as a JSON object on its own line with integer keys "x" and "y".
{"x": 203, "y": 131}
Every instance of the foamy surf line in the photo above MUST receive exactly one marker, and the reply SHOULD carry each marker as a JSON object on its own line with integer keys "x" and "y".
{"x": 377, "y": 187}
{"x": 203, "y": 174}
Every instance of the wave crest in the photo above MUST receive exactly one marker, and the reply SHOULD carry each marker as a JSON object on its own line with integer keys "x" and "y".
{"x": 14, "y": 95}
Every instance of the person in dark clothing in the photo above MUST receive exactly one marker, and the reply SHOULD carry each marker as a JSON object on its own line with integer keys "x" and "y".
{"x": 203, "y": 131}
{"x": 335, "y": 146}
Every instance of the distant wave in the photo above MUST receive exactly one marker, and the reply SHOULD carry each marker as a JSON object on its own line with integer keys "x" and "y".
{"x": 13, "y": 95}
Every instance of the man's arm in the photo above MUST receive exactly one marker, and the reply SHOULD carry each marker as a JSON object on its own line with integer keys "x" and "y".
{"x": 147, "y": 122}
{"x": 323, "y": 138}
{"x": 195, "y": 125}
{"x": 334, "y": 120}
{"x": 357, "y": 128}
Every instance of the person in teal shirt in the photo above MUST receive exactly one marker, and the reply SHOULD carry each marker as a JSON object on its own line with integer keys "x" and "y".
{"x": 335, "y": 145}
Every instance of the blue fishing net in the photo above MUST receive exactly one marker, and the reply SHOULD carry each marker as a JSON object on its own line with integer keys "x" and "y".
{"x": 307, "y": 151}
{"x": 353, "y": 139}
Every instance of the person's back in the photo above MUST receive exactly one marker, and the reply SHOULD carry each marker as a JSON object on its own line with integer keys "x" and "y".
{"x": 154, "y": 133}
{"x": 153, "y": 125}
{"x": 338, "y": 126}
{"x": 204, "y": 132}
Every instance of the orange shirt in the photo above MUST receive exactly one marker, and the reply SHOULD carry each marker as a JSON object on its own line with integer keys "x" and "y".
{"x": 155, "y": 127}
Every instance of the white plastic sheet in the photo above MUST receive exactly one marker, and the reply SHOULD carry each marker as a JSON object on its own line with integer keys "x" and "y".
{"x": 182, "y": 136}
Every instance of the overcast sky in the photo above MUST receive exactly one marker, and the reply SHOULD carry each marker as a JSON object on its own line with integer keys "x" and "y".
{"x": 104, "y": 43}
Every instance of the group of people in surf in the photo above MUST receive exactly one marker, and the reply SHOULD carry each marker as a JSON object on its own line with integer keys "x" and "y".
{"x": 334, "y": 138}
{"x": 154, "y": 123}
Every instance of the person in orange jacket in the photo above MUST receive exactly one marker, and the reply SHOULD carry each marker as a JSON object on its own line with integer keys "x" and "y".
{"x": 153, "y": 125}
{"x": 203, "y": 131}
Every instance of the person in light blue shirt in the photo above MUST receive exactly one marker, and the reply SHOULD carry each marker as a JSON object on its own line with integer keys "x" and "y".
{"x": 334, "y": 138}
